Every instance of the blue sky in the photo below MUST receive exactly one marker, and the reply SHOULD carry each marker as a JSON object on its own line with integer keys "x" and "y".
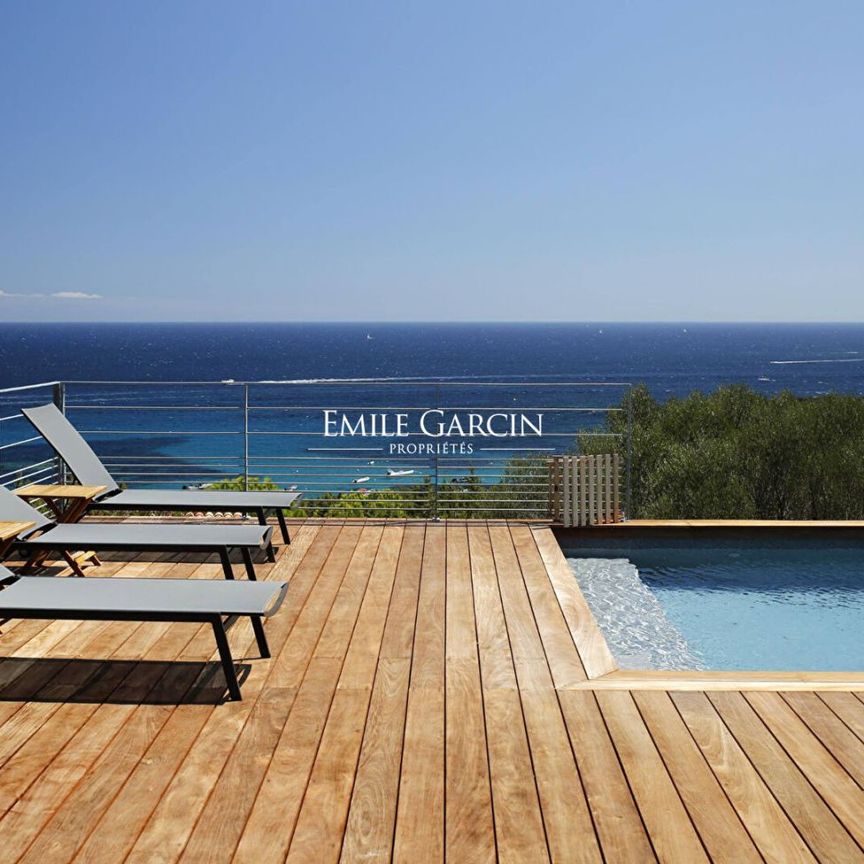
{"x": 434, "y": 161}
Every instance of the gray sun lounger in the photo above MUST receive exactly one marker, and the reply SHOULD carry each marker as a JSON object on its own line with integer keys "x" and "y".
{"x": 47, "y": 536}
{"x": 71, "y": 447}
{"x": 201, "y": 601}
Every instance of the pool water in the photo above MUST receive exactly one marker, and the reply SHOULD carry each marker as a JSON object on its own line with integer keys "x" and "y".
{"x": 742, "y": 605}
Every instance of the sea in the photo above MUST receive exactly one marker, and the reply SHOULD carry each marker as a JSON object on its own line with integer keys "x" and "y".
{"x": 671, "y": 359}
{"x": 192, "y": 431}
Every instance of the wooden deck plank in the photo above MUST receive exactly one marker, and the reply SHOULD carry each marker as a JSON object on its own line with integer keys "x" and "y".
{"x": 849, "y": 709}
{"x": 28, "y": 700}
{"x": 825, "y": 773}
{"x": 46, "y": 733}
{"x": 719, "y": 826}
{"x": 42, "y": 729}
{"x": 371, "y": 820}
{"x": 493, "y": 643}
{"x": 270, "y": 828}
{"x": 846, "y": 747}
{"x": 566, "y": 818}
{"x": 70, "y": 826}
{"x": 561, "y": 654}
{"x": 419, "y": 833}
{"x": 569, "y": 827}
{"x": 47, "y": 681}
{"x": 148, "y": 785}
{"x": 322, "y": 818}
{"x": 653, "y": 679}
{"x": 340, "y": 617}
{"x": 365, "y": 642}
{"x": 286, "y": 720}
{"x": 817, "y": 824}
{"x": 519, "y": 830}
{"x": 672, "y": 833}
{"x": 167, "y": 830}
{"x": 372, "y": 813}
{"x": 427, "y": 666}
{"x": 766, "y": 821}
{"x": 593, "y": 651}
{"x": 619, "y": 826}
{"x": 398, "y": 639}
{"x": 469, "y": 831}
{"x": 526, "y": 643}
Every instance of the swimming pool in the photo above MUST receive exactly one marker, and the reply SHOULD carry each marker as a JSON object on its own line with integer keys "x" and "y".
{"x": 737, "y": 603}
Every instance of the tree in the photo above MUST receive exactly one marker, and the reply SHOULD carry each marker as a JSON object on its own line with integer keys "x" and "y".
{"x": 738, "y": 454}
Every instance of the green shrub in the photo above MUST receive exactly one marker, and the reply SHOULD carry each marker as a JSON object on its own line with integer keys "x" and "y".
{"x": 737, "y": 454}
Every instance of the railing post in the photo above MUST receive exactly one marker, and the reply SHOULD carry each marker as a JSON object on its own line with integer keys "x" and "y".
{"x": 629, "y": 466}
{"x": 246, "y": 437}
{"x": 435, "y": 460}
{"x": 59, "y": 399}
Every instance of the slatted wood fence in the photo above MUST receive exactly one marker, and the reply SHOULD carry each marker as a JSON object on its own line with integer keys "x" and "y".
{"x": 585, "y": 490}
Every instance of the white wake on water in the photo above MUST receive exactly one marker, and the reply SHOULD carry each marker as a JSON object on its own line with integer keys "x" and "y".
{"x": 803, "y": 362}
{"x": 498, "y": 381}
{"x": 637, "y": 630}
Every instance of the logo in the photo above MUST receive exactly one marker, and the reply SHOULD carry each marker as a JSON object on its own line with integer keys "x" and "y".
{"x": 434, "y": 431}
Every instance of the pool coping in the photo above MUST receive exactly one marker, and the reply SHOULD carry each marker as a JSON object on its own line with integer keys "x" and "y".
{"x": 601, "y": 669}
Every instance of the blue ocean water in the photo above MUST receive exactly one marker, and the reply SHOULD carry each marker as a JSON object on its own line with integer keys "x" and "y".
{"x": 672, "y": 359}
{"x": 194, "y": 433}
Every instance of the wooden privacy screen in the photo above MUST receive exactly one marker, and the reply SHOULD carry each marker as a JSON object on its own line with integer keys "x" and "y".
{"x": 585, "y": 490}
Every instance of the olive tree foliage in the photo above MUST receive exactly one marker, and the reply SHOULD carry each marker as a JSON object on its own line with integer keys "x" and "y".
{"x": 736, "y": 454}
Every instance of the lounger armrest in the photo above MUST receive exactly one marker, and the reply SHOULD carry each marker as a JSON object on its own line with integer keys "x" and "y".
{"x": 277, "y": 599}
{"x": 267, "y": 537}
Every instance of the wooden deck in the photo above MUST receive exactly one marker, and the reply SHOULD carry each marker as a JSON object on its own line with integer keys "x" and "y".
{"x": 428, "y": 699}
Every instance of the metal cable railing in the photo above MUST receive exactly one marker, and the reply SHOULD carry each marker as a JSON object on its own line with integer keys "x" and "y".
{"x": 410, "y": 447}
{"x": 24, "y": 456}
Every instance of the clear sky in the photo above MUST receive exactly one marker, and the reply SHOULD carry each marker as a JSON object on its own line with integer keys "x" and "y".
{"x": 432, "y": 161}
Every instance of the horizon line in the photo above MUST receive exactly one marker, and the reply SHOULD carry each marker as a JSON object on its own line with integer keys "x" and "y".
{"x": 386, "y": 323}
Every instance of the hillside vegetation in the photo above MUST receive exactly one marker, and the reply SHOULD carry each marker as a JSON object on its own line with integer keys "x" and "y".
{"x": 735, "y": 454}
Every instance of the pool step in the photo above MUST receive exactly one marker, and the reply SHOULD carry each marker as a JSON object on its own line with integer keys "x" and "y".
{"x": 638, "y": 632}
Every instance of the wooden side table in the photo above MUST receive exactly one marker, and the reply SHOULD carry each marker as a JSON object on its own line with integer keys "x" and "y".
{"x": 68, "y": 504}
{"x": 78, "y": 498}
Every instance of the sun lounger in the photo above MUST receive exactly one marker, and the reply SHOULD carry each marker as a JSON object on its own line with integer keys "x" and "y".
{"x": 218, "y": 603}
{"x": 68, "y": 443}
{"x": 46, "y": 536}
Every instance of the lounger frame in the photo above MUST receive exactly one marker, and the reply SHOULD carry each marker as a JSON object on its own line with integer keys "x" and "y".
{"x": 75, "y": 537}
{"x": 259, "y": 512}
{"x": 221, "y": 625}
{"x": 224, "y": 552}
{"x": 69, "y": 444}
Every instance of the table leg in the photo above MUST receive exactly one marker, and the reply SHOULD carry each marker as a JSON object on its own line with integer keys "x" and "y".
{"x": 71, "y": 514}
{"x": 73, "y": 563}
{"x": 34, "y": 562}
{"x": 5, "y": 546}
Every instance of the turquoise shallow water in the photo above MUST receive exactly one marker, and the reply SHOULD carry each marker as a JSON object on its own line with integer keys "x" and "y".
{"x": 763, "y": 607}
